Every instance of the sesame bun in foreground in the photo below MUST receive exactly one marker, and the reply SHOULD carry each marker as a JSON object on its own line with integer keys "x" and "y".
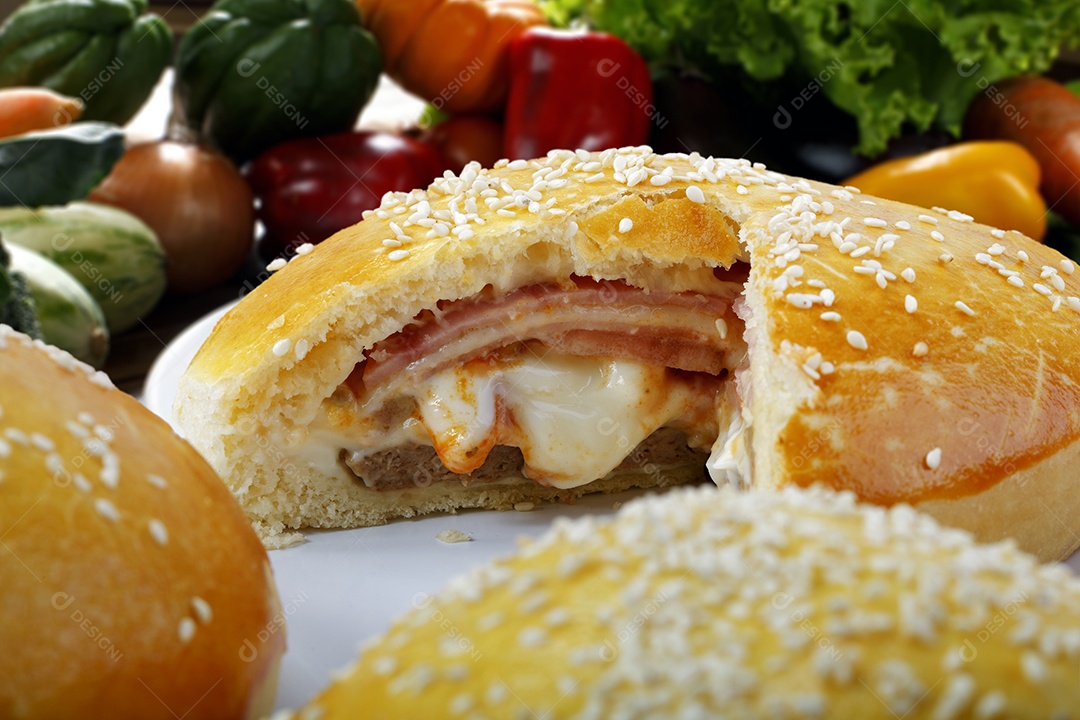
{"x": 598, "y": 321}
{"x": 132, "y": 584}
{"x": 712, "y": 603}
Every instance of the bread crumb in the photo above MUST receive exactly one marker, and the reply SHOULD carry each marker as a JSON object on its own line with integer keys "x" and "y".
{"x": 453, "y": 536}
{"x": 616, "y": 505}
{"x": 524, "y": 506}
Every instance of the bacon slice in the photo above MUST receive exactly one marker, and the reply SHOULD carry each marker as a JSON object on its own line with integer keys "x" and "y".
{"x": 685, "y": 331}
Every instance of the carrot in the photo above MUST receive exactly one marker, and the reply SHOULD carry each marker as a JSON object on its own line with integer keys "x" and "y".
{"x": 23, "y": 110}
{"x": 1044, "y": 117}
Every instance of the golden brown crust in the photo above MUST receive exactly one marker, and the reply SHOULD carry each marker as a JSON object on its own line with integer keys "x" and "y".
{"x": 706, "y": 603}
{"x": 994, "y": 392}
{"x": 128, "y": 592}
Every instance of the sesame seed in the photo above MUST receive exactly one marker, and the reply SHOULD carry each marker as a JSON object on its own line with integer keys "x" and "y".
{"x": 1058, "y": 282}
{"x": 1040, "y": 288}
{"x": 1068, "y": 266}
{"x": 875, "y": 222}
{"x": 858, "y": 253}
{"x": 963, "y": 307}
{"x": 996, "y": 249}
{"x": 106, "y": 509}
{"x": 532, "y": 637}
{"x": 186, "y": 630}
{"x": 910, "y": 303}
{"x": 998, "y": 233}
{"x": 830, "y": 316}
{"x": 721, "y": 328}
{"x": 933, "y": 458}
{"x": 937, "y": 236}
{"x": 928, "y": 219}
{"x": 518, "y": 164}
{"x": 1023, "y": 256}
{"x": 281, "y": 347}
{"x": 397, "y": 255}
{"x": 902, "y": 225}
{"x": 302, "y": 348}
{"x": 276, "y": 264}
{"x": 156, "y": 480}
{"x": 1073, "y": 302}
{"x": 982, "y": 258}
{"x": 202, "y": 610}
{"x": 626, "y": 225}
{"x": 945, "y": 258}
{"x": 991, "y": 705}
{"x": 694, "y": 194}
{"x": 908, "y": 274}
{"x": 741, "y": 189}
{"x": 857, "y": 340}
{"x": 920, "y": 349}
{"x": 42, "y": 442}
{"x": 391, "y": 243}
{"x": 158, "y": 531}
{"x": 80, "y": 481}
{"x": 959, "y": 216}
{"x": 1015, "y": 281}
{"x": 17, "y": 436}
{"x": 1033, "y": 667}
{"x": 305, "y": 249}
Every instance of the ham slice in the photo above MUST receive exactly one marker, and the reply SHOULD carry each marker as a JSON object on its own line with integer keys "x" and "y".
{"x": 686, "y": 331}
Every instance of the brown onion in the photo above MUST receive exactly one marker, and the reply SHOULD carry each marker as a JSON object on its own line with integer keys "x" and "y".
{"x": 196, "y": 201}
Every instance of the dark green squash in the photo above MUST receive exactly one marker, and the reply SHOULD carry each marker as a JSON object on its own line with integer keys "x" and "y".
{"x": 254, "y": 73}
{"x": 107, "y": 53}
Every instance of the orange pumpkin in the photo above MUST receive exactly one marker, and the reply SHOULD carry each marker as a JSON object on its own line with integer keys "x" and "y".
{"x": 450, "y": 52}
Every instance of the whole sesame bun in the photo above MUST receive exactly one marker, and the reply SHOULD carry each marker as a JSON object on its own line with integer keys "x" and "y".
{"x": 132, "y": 584}
{"x": 711, "y": 603}
{"x": 909, "y": 355}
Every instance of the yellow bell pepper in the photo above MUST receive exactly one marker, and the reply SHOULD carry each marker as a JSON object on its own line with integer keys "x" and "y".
{"x": 995, "y": 182}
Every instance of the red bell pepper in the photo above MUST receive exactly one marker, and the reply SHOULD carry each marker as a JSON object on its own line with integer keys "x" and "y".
{"x": 575, "y": 89}
{"x": 310, "y": 188}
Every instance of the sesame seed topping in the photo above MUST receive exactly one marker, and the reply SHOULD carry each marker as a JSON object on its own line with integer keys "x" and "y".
{"x": 875, "y": 222}
{"x": 391, "y": 243}
{"x": 1015, "y": 281}
{"x": 305, "y": 249}
{"x": 963, "y": 307}
{"x": 982, "y": 258}
{"x": 1073, "y": 302}
{"x": 276, "y": 264}
{"x": 106, "y": 509}
{"x": 945, "y": 258}
{"x": 1068, "y": 266}
{"x": 694, "y": 194}
{"x": 42, "y": 442}
{"x": 920, "y": 349}
{"x": 996, "y": 249}
{"x": 158, "y": 532}
{"x": 902, "y": 225}
{"x": 991, "y": 705}
{"x": 1033, "y": 667}
{"x": 156, "y": 480}
{"x": 1022, "y": 255}
{"x": 401, "y": 254}
{"x": 937, "y": 235}
{"x": 281, "y": 347}
{"x": 518, "y": 165}
{"x": 908, "y": 274}
{"x": 857, "y": 340}
{"x": 626, "y": 225}
{"x": 741, "y": 189}
{"x": 186, "y": 630}
{"x": 1040, "y": 288}
{"x": 532, "y": 637}
{"x": 302, "y": 348}
{"x": 998, "y": 233}
{"x": 933, "y": 459}
{"x": 1058, "y": 282}
{"x": 830, "y": 316}
{"x": 959, "y": 216}
{"x": 910, "y": 303}
{"x": 202, "y": 610}
{"x": 928, "y": 219}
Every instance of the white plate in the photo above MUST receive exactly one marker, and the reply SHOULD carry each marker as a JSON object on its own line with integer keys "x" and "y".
{"x": 342, "y": 587}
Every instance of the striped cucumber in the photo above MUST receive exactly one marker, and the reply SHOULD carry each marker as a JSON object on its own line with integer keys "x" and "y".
{"x": 110, "y": 252}
{"x": 70, "y": 317}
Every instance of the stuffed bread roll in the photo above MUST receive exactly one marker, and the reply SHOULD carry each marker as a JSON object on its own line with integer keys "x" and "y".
{"x": 597, "y": 321}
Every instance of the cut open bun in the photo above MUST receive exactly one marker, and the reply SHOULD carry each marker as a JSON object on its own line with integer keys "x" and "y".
{"x": 909, "y": 355}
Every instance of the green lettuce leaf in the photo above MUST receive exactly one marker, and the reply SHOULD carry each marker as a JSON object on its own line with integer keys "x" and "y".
{"x": 893, "y": 66}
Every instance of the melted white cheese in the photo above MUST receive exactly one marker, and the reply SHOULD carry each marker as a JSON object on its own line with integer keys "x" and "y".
{"x": 574, "y": 418}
